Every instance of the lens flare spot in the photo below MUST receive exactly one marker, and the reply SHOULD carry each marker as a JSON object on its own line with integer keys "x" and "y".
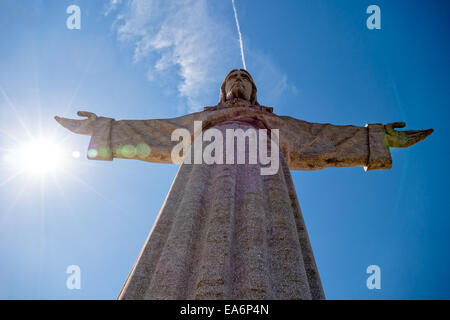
{"x": 103, "y": 153}
{"x": 76, "y": 154}
{"x": 92, "y": 153}
{"x": 129, "y": 151}
{"x": 143, "y": 150}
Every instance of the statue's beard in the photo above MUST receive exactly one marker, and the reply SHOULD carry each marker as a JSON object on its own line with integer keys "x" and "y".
{"x": 238, "y": 92}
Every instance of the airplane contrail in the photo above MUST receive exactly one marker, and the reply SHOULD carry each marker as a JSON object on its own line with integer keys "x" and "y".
{"x": 240, "y": 35}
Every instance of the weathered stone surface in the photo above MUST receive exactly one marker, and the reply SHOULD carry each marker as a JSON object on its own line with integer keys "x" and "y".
{"x": 227, "y": 232}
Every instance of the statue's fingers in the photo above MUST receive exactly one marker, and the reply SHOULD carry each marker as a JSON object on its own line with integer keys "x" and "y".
{"x": 86, "y": 114}
{"x": 397, "y": 124}
{"x": 390, "y": 127}
{"x": 417, "y": 136}
{"x": 61, "y": 121}
{"x": 70, "y": 124}
{"x": 418, "y": 132}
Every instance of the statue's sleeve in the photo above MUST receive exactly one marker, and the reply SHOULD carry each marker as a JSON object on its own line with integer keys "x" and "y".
{"x": 312, "y": 146}
{"x": 146, "y": 140}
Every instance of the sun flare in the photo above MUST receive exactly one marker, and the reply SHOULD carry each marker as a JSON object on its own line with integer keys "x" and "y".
{"x": 37, "y": 157}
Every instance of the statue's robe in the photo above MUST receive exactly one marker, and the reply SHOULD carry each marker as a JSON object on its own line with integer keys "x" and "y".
{"x": 225, "y": 231}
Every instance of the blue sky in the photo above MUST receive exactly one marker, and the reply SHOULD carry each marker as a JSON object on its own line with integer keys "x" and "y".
{"x": 313, "y": 60}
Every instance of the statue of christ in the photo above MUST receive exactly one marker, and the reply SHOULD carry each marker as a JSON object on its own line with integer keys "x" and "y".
{"x": 226, "y": 231}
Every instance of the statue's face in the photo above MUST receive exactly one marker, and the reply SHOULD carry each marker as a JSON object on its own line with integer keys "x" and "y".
{"x": 238, "y": 85}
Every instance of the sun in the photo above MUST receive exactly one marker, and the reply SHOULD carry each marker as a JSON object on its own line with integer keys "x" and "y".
{"x": 37, "y": 157}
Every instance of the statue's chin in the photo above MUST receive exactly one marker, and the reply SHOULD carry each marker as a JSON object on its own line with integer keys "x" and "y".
{"x": 237, "y": 93}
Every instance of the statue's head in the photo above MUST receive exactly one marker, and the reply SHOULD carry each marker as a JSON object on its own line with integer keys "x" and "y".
{"x": 238, "y": 84}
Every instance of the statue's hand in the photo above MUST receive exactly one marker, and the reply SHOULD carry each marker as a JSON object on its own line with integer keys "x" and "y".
{"x": 85, "y": 126}
{"x": 404, "y": 139}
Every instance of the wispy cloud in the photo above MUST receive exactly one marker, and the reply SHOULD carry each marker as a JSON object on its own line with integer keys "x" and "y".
{"x": 193, "y": 39}
{"x": 112, "y": 5}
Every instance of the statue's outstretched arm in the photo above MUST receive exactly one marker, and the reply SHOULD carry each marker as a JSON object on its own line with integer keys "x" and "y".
{"x": 147, "y": 140}
{"x": 312, "y": 146}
